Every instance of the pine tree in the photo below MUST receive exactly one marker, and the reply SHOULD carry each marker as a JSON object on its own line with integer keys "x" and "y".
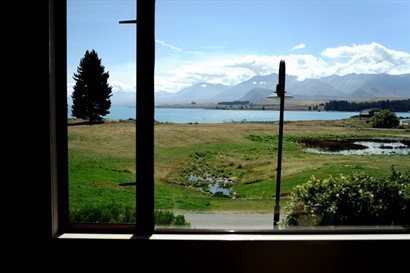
{"x": 91, "y": 93}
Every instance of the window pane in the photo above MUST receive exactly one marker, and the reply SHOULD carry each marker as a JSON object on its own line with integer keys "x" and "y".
{"x": 101, "y": 152}
{"x": 217, "y": 133}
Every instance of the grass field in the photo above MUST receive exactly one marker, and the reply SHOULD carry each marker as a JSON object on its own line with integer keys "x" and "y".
{"x": 243, "y": 155}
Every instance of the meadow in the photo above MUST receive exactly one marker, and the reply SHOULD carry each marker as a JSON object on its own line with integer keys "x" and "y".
{"x": 188, "y": 157}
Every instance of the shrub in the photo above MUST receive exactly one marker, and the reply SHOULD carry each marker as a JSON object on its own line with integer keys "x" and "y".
{"x": 113, "y": 212}
{"x": 110, "y": 212}
{"x": 168, "y": 218}
{"x": 356, "y": 199}
{"x": 385, "y": 119}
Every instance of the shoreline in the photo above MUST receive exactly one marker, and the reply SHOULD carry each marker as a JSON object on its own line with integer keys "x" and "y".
{"x": 266, "y": 106}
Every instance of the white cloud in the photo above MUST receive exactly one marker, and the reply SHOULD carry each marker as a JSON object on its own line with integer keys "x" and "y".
{"x": 168, "y": 45}
{"x": 122, "y": 86}
{"x": 299, "y": 46}
{"x": 70, "y": 86}
{"x": 233, "y": 70}
{"x": 305, "y": 66}
{"x": 174, "y": 74}
{"x": 367, "y": 58}
{"x": 217, "y": 70}
{"x": 122, "y": 78}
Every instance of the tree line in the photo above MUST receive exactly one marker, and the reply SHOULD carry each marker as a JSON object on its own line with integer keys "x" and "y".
{"x": 392, "y": 105}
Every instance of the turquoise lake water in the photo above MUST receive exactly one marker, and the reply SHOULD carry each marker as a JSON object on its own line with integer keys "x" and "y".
{"x": 192, "y": 115}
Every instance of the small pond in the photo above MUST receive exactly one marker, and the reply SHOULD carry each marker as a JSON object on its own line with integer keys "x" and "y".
{"x": 367, "y": 146}
{"x": 218, "y": 186}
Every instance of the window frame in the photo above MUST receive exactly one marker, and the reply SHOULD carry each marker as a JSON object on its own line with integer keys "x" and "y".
{"x": 145, "y": 225}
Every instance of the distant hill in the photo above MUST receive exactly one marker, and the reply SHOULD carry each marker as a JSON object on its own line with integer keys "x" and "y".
{"x": 257, "y": 94}
{"x": 312, "y": 89}
{"x": 200, "y": 92}
{"x": 240, "y": 90}
{"x": 257, "y": 88}
{"x": 371, "y": 85}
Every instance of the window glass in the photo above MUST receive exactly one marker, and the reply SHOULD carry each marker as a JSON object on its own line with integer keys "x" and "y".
{"x": 345, "y": 146}
{"x": 102, "y": 151}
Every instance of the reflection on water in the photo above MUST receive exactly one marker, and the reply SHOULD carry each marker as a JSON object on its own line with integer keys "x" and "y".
{"x": 368, "y": 147}
{"x": 219, "y": 186}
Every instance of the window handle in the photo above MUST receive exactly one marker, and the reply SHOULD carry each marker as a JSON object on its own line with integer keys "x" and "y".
{"x": 128, "y": 184}
{"x": 128, "y": 22}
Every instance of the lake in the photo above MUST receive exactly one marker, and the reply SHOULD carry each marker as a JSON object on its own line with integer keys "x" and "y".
{"x": 192, "y": 115}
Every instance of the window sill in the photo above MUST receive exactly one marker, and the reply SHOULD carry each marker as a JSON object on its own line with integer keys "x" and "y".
{"x": 242, "y": 237}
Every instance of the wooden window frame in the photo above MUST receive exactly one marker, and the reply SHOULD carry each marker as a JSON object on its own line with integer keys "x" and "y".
{"x": 145, "y": 225}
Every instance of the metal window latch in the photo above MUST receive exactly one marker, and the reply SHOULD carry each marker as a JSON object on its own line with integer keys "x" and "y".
{"x": 128, "y": 22}
{"x": 128, "y": 184}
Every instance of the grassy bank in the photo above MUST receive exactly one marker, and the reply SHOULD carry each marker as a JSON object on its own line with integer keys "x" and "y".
{"x": 243, "y": 155}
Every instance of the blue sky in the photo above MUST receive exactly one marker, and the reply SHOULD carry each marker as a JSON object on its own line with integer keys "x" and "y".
{"x": 230, "y": 41}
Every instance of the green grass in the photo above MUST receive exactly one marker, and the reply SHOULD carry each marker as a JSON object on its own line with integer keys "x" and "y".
{"x": 103, "y": 156}
{"x": 168, "y": 196}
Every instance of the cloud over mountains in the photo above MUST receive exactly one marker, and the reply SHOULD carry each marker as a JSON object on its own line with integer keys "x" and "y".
{"x": 370, "y": 58}
{"x": 257, "y": 88}
{"x": 231, "y": 72}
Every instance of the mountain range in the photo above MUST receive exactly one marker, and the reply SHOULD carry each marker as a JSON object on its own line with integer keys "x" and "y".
{"x": 257, "y": 88}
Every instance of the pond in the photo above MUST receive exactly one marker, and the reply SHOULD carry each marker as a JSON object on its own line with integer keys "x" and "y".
{"x": 218, "y": 186}
{"x": 354, "y": 146}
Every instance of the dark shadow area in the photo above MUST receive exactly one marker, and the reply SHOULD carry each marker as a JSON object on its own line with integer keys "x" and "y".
{"x": 333, "y": 145}
{"x": 145, "y": 255}
{"x": 356, "y": 145}
{"x": 77, "y": 123}
{"x": 142, "y": 254}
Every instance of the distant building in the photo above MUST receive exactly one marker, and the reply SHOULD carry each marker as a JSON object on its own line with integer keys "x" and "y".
{"x": 367, "y": 113}
{"x": 405, "y": 121}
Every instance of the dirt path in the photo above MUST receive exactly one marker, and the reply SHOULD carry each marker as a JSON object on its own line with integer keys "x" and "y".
{"x": 229, "y": 220}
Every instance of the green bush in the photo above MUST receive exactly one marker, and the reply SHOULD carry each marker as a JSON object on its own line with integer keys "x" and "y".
{"x": 110, "y": 212}
{"x": 385, "y": 119}
{"x": 356, "y": 199}
{"x": 169, "y": 219}
{"x": 113, "y": 212}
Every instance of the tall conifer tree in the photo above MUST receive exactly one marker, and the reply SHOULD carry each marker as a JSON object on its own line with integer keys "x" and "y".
{"x": 91, "y": 93}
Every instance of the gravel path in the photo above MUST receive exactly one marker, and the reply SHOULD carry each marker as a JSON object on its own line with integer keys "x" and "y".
{"x": 229, "y": 220}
